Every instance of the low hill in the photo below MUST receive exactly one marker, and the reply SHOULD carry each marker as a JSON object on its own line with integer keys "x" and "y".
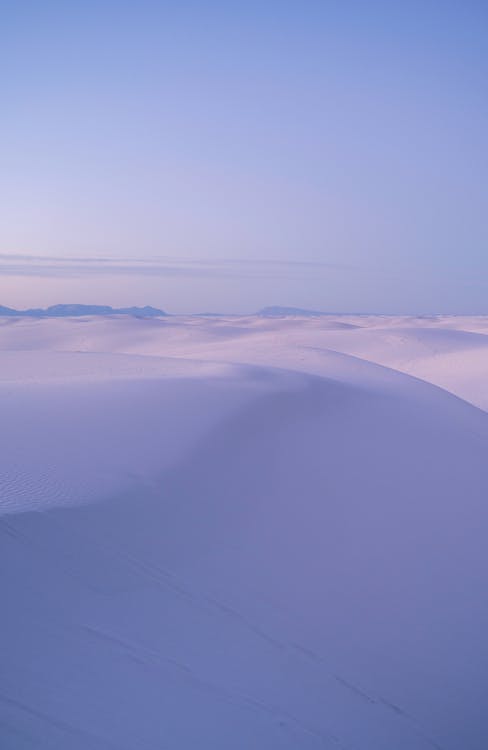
{"x": 69, "y": 311}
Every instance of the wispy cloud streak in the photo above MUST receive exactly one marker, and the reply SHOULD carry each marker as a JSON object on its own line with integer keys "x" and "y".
{"x": 76, "y": 267}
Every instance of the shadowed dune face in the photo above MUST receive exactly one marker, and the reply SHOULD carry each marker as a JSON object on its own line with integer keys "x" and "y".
{"x": 278, "y": 558}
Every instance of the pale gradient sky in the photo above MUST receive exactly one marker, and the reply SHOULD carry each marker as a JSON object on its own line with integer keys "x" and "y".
{"x": 225, "y": 156}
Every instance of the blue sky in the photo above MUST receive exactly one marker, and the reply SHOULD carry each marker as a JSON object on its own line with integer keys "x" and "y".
{"x": 223, "y": 156}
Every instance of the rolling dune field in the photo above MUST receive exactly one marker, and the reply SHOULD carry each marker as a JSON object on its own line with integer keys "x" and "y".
{"x": 244, "y": 532}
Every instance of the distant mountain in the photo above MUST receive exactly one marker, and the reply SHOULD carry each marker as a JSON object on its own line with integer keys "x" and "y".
{"x": 280, "y": 312}
{"x": 65, "y": 311}
{"x": 7, "y": 311}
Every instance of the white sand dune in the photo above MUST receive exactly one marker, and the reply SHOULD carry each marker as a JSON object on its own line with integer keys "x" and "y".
{"x": 244, "y": 533}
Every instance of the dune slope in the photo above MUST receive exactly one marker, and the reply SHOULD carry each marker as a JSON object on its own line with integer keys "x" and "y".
{"x": 285, "y": 553}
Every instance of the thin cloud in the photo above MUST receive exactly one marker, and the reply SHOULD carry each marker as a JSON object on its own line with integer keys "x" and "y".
{"x": 71, "y": 267}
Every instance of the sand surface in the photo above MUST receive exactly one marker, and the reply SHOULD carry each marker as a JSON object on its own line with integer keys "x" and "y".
{"x": 244, "y": 532}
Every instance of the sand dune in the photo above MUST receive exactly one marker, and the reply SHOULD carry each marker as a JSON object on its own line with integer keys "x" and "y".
{"x": 244, "y": 532}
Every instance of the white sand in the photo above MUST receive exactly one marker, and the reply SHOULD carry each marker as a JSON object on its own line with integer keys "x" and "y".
{"x": 244, "y": 533}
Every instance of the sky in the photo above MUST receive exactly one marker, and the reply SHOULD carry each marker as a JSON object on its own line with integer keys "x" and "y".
{"x": 224, "y": 156}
